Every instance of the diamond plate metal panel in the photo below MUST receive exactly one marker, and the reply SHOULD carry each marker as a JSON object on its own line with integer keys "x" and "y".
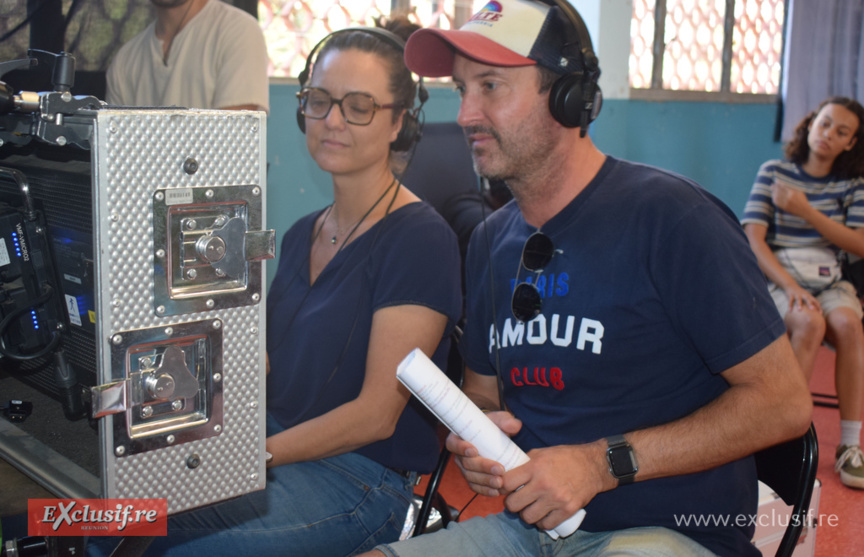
{"x": 138, "y": 152}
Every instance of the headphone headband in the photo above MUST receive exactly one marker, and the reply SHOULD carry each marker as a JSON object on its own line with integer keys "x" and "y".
{"x": 387, "y": 36}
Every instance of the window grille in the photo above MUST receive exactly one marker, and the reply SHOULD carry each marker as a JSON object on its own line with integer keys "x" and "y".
{"x": 293, "y": 27}
{"x": 707, "y": 45}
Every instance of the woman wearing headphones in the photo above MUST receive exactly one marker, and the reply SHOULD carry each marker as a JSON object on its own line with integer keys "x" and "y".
{"x": 360, "y": 283}
{"x": 801, "y": 213}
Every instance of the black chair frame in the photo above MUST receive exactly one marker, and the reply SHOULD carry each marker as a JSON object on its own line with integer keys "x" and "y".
{"x": 790, "y": 470}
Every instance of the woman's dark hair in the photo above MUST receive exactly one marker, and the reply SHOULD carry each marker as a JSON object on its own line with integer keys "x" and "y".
{"x": 849, "y": 164}
{"x": 401, "y": 84}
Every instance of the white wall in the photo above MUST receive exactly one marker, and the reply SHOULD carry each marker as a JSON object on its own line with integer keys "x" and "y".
{"x": 608, "y": 22}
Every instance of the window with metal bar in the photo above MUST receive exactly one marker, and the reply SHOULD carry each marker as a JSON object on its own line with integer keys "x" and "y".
{"x": 293, "y": 27}
{"x": 709, "y": 46}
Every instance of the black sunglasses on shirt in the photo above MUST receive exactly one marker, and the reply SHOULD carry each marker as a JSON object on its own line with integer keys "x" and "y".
{"x": 537, "y": 252}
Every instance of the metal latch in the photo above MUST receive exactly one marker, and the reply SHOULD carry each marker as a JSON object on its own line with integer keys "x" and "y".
{"x": 171, "y": 389}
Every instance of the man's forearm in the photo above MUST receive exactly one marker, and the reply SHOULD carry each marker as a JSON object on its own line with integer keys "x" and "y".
{"x": 768, "y": 402}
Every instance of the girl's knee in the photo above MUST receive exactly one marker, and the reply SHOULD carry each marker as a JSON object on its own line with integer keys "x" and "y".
{"x": 845, "y": 325}
{"x": 806, "y": 324}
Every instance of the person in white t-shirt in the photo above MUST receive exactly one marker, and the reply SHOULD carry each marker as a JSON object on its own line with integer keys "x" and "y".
{"x": 196, "y": 54}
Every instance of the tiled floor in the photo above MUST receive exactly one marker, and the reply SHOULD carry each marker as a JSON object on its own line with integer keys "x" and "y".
{"x": 846, "y": 537}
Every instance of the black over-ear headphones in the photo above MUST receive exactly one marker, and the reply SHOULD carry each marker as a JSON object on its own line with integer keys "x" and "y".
{"x": 411, "y": 123}
{"x": 575, "y": 98}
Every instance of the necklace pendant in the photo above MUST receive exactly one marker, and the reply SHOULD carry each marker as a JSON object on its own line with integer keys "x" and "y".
{"x": 333, "y": 240}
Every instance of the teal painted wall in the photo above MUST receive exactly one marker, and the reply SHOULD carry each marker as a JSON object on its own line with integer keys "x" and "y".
{"x": 718, "y": 145}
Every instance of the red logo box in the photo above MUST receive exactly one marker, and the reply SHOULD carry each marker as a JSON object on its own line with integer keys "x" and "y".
{"x": 97, "y": 517}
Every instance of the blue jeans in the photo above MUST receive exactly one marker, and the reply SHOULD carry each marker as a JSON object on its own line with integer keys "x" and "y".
{"x": 336, "y": 506}
{"x": 505, "y": 535}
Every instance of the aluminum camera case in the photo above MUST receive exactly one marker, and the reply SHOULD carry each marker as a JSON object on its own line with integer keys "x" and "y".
{"x": 178, "y": 316}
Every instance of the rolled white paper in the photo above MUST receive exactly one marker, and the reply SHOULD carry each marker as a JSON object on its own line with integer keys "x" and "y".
{"x": 461, "y": 416}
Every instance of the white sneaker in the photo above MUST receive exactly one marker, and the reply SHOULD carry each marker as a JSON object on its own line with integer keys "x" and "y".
{"x": 850, "y": 464}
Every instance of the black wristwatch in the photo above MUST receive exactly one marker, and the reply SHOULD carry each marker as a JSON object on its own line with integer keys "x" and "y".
{"x": 621, "y": 459}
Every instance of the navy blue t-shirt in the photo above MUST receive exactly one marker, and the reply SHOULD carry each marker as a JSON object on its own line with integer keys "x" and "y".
{"x": 318, "y": 336}
{"x": 652, "y": 292}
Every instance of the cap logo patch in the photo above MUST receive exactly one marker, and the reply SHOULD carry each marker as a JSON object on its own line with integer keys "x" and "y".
{"x": 490, "y": 12}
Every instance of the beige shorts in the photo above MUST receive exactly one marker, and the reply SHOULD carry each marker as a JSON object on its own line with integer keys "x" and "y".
{"x": 839, "y": 294}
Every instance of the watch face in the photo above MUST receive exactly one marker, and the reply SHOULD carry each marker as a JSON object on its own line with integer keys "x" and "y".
{"x": 622, "y": 461}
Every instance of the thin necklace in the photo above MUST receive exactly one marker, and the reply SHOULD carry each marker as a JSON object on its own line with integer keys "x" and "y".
{"x": 334, "y": 238}
{"x": 167, "y": 50}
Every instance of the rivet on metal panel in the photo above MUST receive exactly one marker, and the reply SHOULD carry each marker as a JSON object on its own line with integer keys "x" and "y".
{"x": 117, "y": 339}
{"x": 191, "y": 274}
{"x": 160, "y": 310}
{"x": 256, "y": 297}
{"x": 115, "y": 302}
{"x": 253, "y": 476}
{"x": 147, "y": 411}
{"x": 210, "y": 304}
{"x": 217, "y": 377}
{"x": 190, "y": 166}
{"x": 177, "y": 405}
{"x": 217, "y": 324}
{"x": 256, "y": 191}
{"x": 170, "y": 439}
{"x": 160, "y": 253}
{"x": 115, "y": 217}
{"x": 217, "y": 428}
{"x": 112, "y": 127}
{"x": 61, "y": 140}
{"x": 159, "y": 196}
{"x": 194, "y": 461}
{"x": 120, "y": 450}
{"x": 253, "y": 330}
{"x": 209, "y": 193}
{"x": 253, "y": 404}
{"x": 169, "y": 331}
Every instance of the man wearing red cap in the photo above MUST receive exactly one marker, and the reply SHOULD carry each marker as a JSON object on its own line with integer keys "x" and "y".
{"x": 619, "y": 309}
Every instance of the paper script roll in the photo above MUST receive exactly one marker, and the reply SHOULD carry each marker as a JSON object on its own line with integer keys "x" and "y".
{"x": 461, "y": 416}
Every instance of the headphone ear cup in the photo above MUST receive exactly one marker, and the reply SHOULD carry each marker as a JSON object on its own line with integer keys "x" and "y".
{"x": 407, "y": 134}
{"x": 301, "y": 120}
{"x": 598, "y": 103}
{"x": 566, "y": 101}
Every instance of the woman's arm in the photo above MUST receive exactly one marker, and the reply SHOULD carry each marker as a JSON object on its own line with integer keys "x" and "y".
{"x": 775, "y": 272}
{"x": 372, "y": 416}
{"x": 795, "y": 202}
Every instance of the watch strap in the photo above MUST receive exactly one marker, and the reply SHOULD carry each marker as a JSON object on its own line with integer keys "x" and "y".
{"x": 617, "y": 443}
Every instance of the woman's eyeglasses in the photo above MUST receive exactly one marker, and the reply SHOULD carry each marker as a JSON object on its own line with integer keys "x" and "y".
{"x": 526, "y": 302}
{"x": 357, "y": 108}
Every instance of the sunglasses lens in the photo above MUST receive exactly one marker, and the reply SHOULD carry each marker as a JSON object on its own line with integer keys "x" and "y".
{"x": 537, "y": 252}
{"x": 526, "y": 302}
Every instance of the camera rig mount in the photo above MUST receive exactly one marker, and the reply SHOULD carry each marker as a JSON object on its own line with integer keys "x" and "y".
{"x": 56, "y": 117}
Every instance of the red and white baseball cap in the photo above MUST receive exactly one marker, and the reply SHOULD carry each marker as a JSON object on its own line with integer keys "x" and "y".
{"x": 503, "y": 33}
